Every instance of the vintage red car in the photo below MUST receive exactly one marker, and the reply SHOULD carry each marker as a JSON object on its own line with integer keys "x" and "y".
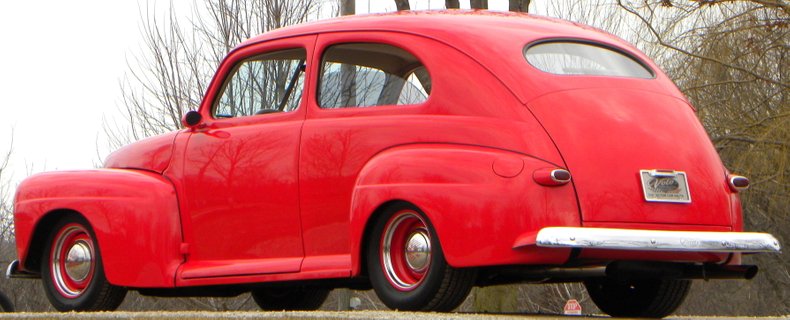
{"x": 417, "y": 153}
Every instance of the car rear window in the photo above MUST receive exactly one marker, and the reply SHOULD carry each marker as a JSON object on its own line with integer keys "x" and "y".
{"x": 576, "y": 58}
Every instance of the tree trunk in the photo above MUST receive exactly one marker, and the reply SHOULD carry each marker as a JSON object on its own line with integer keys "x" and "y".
{"x": 402, "y": 5}
{"x": 519, "y": 5}
{"x": 348, "y": 97}
{"x": 496, "y": 299}
{"x": 479, "y": 4}
{"x": 452, "y": 4}
{"x": 347, "y": 7}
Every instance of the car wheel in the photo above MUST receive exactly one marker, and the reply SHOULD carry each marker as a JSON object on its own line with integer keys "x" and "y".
{"x": 5, "y": 303}
{"x": 648, "y": 298}
{"x": 276, "y": 299}
{"x": 406, "y": 264}
{"x": 72, "y": 270}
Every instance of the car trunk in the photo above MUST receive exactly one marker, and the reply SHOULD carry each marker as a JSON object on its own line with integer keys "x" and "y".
{"x": 607, "y": 136}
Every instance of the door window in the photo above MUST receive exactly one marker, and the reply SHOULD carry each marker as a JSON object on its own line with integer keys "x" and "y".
{"x": 268, "y": 83}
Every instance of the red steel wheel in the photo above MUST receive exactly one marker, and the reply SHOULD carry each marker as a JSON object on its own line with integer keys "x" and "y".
{"x": 72, "y": 269}
{"x": 72, "y": 260}
{"x": 405, "y": 250}
{"x": 406, "y": 264}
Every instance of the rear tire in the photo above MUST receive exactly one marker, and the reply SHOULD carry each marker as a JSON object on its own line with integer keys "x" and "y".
{"x": 638, "y": 298}
{"x": 5, "y": 303}
{"x": 72, "y": 270}
{"x": 278, "y": 299}
{"x": 406, "y": 264}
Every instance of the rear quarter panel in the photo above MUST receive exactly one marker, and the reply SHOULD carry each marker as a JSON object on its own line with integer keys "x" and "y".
{"x": 479, "y": 214}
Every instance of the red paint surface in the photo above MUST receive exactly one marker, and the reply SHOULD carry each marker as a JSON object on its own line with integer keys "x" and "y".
{"x": 289, "y": 196}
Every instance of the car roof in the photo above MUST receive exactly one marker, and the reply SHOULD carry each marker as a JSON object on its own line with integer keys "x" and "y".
{"x": 435, "y": 23}
{"x": 495, "y": 39}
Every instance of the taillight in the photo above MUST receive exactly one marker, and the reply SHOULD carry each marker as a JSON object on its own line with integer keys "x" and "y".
{"x": 551, "y": 176}
{"x": 738, "y": 183}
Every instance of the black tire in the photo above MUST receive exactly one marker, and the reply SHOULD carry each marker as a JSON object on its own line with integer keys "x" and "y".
{"x": 429, "y": 283}
{"x": 277, "y": 299}
{"x": 73, "y": 291}
{"x": 638, "y": 298}
{"x": 5, "y": 303}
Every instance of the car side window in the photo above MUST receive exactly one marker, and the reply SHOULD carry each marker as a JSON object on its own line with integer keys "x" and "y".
{"x": 267, "y": 83}
{"x": 370, "y": 74}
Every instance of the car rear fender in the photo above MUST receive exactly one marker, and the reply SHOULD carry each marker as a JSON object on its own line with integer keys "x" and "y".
{"x": 134, "y": 215}
{"x": 479, "y": 200}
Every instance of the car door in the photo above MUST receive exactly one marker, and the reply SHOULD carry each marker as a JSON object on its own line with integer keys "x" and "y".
{"x": 240, "y": 170}
{"x": 369, "y": 86}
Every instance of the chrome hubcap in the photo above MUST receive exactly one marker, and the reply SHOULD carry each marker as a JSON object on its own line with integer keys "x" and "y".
{"x": 78, "y": 261}
{"x": 72, "y": 263}
{"x": 418, "y": 251}
{"x": 406, "y": 250}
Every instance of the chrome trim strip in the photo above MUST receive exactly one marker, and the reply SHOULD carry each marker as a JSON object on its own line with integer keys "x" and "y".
{"x": 13, "y": 272}
{"x": 11, "y": 269}
{"x": 732, "y": 182}
{"x": 656, "y": 240}
{"x": 553, "y": 178}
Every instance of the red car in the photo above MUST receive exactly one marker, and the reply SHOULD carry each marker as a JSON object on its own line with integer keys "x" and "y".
{"x": 417, "y": 153}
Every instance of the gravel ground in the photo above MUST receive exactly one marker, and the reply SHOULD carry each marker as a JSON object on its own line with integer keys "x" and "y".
{"x": 351, "y": 315}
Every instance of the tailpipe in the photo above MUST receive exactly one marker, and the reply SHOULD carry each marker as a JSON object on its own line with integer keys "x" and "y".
{"x": 636, "y": 269}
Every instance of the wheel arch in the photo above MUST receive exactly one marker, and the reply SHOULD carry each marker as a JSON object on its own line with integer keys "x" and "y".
{"x": 40, "y": 236}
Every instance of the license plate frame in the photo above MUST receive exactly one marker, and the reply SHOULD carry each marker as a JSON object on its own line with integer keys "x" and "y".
{"x": 665, "y": 186}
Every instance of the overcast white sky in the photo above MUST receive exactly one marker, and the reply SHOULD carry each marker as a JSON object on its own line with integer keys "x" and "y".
{"x": 60, "y": 63}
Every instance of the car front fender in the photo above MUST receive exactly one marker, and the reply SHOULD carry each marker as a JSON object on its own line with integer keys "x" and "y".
{"x": 134, "y": 215}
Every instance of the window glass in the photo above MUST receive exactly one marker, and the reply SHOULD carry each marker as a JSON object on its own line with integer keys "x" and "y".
{"x": 267, "y": 83}
{"x": 366, "y": 74}
{"x": 574, "y": 58}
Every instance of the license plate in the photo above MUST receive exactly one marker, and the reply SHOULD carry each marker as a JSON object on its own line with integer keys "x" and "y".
{"x": 665, "y": 186}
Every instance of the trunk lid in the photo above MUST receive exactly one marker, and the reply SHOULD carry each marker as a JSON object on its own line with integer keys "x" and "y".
{"x": 610, "y": 138}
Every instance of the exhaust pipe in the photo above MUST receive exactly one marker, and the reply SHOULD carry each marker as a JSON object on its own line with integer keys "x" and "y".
{"x": 746, "y": 272}
{"x": 632, "y": 270}
{"x": 636, "y": 269}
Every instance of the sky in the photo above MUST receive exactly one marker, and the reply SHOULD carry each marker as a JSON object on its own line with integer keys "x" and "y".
{"x": 60, "y": 67}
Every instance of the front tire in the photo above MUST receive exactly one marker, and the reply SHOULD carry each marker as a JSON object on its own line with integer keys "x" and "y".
{"x": 278, "y": 299}
{"x": 406, "y": 264}
{"x": 638, "y": 298}
{"x": 72, "y": 270}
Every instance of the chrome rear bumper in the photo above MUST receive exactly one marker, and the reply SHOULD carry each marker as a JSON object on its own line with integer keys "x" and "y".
{"x": 656, "y": 240}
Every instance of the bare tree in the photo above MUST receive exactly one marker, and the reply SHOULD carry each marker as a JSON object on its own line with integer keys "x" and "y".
{"x": 402, "y": 5}
{"x": 730, "y": 59}
{"x": 342, "y": 297}
{"x": 181, "y": 52}
{"x": 519, "y": 5}
{"x": 478, "y": 4}
{"x": 182, "y": 48}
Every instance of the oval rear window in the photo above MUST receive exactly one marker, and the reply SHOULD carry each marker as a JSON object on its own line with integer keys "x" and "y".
{"x": 575, "y": 58}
